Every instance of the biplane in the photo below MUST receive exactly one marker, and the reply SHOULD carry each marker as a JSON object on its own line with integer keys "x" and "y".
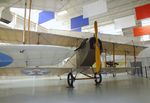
{"x": 81, "y": 53}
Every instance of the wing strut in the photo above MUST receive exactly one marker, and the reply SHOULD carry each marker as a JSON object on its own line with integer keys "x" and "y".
{"x": 134, "y": 53}
{"x": 26, "y": 38}
{"x": 105, "y": 58}
{"x": 29, "y": 20}
{"x": 24, "y": 30}
{"x": 125, "y": 57}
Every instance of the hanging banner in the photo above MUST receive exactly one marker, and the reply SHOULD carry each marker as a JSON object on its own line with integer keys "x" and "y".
{"x": 142, "y": 12}
{"x": 78, "y": 22}
{"x": 140, "y": 31}
{"x": 45, "y": 16}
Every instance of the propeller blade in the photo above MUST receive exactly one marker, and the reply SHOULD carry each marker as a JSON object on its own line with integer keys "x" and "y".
{"x": 97, "y": 49}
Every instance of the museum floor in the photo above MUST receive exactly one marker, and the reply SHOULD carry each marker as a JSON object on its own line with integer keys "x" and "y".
{"x": 122, "y": 89}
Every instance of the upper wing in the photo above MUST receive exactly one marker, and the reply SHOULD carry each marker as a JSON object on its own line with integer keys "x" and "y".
{"x": 121, "y": 49}
{"x": 15, "y": 36}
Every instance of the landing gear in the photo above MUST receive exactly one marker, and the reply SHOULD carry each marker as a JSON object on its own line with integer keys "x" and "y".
{"x": 70, "y": 80}
{"x": 98, "y": 78}
{"x": 87, "y": 74}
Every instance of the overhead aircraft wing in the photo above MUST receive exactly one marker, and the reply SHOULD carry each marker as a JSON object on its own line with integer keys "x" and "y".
{"x": 72, "y": 39}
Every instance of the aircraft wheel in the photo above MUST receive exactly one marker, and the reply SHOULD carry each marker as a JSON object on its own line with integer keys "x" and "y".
{"x": 114, "y": 74}
{"x": 70, "y": 79}
{"x": 98, "y": 78}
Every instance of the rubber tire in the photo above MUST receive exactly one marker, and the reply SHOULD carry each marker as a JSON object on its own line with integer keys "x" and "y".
{"x": 98, "y": 78}
{"x": 70, "y": 80}
{"x": 114, "y": 74}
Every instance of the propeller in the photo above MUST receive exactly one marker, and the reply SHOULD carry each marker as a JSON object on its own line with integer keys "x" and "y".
{"x": 97, "y": 50}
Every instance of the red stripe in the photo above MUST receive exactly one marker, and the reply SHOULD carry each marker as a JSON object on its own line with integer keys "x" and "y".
{"x": 139, "y": 31}
{"x": 142, "y": 12}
